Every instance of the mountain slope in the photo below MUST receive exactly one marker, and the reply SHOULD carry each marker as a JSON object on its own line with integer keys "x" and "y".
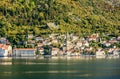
{"x": 75, "y": 16}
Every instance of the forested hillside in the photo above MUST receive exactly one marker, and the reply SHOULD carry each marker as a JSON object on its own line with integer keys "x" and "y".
{"x": 21, "y": 17}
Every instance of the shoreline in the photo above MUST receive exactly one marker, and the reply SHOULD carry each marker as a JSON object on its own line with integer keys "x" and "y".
{"x": 68, "y": 57}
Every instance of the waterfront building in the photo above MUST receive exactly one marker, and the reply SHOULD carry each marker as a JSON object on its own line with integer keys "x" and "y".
{"x": 55, "y": 51}
{"x": 100, "y": 54}
{"x": 24, "y": 52}
{"x": 116, "y": 52}
{"x": 5, "y": 50}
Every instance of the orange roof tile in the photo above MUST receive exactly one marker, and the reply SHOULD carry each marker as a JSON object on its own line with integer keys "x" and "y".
{"x": 24, "y": 49}
{"x": 5, "y": 47}
{"x": 1, "y": 45}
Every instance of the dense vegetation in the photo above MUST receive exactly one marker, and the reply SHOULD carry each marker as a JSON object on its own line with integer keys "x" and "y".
{"x": 21, "y": 17}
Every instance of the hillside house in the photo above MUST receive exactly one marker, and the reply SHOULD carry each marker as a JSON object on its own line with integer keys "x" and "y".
{"x": 79, "y": 44}
{"x": 93, "y": 37}
{"x": 40, "y": 45}
{"x": 118, "y": 38}
{"x": 38, "y": 39}
{"x": 3, "y": 40}
{"x": 30, "y": 36}
{"x": 85, "y": 43}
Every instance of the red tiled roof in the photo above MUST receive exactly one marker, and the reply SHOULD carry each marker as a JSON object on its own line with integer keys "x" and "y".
{"x": 1, "y": 45}
{"x": 41, "y": 49}
{"x": 4, "y": 46}
{"x": 54, "y": 49}
{"x": 24, "y": 49}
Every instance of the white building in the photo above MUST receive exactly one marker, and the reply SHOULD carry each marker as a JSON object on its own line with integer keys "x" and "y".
{"x": 93, "y": 37}
{"x": 107, "y": 44}
{"x": 39, "y": 39}
{"x": 55, "y": 51}
{"x": 24, "y": 52}
{"x": 116, "y": 52}
{"x": 100, "y": 54}
{"x": 40, "y": 45}
{"x": 85, "y": 43}
{"x": 118, "y": 38}
{"x": 5, "y": 50}
{"x": 54, "y": 41}
{"x": 3, "y": 40}
{"x": 75, "y": 38}
{"x": 79, "y": 44}
{"x": 30, "y": 36}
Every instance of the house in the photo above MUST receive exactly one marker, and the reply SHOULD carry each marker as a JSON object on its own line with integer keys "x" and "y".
{"x": 69, "y": 52}
{"x": 113, "y": 41}
{"x": 61, "y": 52}
{"x": 54, "y": 41}
{"x": 3, "y": 40}
{"x": 89, "y": 49}
{"x": 113, "y": 38}
{"x": 79, "y": 44}
{"x": 116, "y": 52}
{"x": 110, "y": 51}
{"x": 85, "y": 43}
{"x": 82, "y": 47}
{"x": 107, "y": 44}
{"x": 31, "y": 43}
{"x": 64, "y": 48}
{"x": 39, "y": 39}
{"x": 55, "y": 51}
{"x": 53, "y": 35}
{"x": 74, "y": 38}
{"x": 93, "y": 37}
{"x": 40, "y": 45}
{"x": 5, "y": 50}
{"x": 118, "y": 38}
{"x": 24, "y": 52}
{"x": 100, "y": 53}
{"x": 30, "y": 36}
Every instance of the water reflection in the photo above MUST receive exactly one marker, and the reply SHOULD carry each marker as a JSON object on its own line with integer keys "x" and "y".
{"x": 5, "y": 63}
{"x": 57, "y": 68}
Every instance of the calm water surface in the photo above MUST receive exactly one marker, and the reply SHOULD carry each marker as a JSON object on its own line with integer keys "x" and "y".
{"x": 59, "y": 68}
